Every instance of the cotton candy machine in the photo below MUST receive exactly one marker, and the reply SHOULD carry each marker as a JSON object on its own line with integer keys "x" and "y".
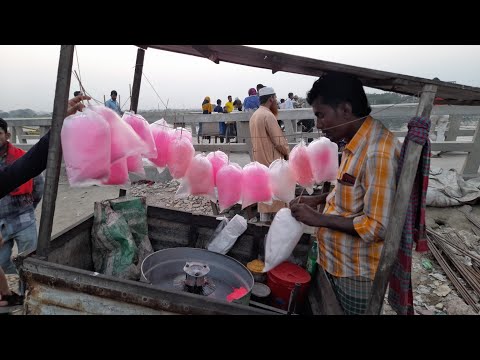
{"x": 200, "y": 272}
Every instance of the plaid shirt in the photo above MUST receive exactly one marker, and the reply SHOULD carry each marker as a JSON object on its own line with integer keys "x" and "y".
{"x": 371, "y": 157}
{"x": 18, "y": 215}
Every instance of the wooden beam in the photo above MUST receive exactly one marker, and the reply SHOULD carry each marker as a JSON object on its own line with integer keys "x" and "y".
{"x": 137, "y": 79}
{"x": 55, "y": 149}
{"x": 399, "y": 211}
{"x": 205, "y": 51}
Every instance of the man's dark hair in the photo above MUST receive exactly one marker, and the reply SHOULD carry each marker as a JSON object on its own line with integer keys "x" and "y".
{"x": 336, "y": 88}
{"x": 113, "y": 93}
{"x": 76, "y": 93}
{"x": 219, "y": 101}
{"x": 290, "y": 94}
{"x": 282, "y": 100}
{"x": 259, "y": 86}
{"x": 3, "y": 125}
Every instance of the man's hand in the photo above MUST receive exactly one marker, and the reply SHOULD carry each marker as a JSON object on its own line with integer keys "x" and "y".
{"x": 305, "y": 214}
{"x": 75, "y": 104}
{"x": 311, "y": 201}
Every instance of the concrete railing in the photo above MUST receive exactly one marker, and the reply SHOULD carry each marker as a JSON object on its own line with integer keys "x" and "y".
{"x": 385, "y": 113}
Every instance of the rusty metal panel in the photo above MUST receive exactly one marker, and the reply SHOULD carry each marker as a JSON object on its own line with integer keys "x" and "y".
{"x": 43, "y": 299}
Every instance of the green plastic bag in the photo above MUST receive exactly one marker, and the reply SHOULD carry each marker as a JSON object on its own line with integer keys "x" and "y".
{"x": 120, "y": 237}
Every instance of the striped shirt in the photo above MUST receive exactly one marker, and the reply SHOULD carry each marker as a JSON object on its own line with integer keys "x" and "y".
{"x": 371, "y": 157}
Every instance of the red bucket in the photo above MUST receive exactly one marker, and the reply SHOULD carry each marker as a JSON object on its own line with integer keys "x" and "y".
{"x": 281, "y": 281}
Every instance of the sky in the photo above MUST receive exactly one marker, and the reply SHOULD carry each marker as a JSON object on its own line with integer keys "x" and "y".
{"x": 28, "y": 72}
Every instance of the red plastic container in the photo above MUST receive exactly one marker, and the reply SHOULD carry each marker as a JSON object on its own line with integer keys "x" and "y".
{"x": 281, "y": 281}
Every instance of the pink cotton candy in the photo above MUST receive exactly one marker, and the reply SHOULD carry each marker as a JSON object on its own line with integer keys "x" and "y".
{"x": 86, "y": 148}
{"x": 182, "y": 133}
{"x": 180, "y": 155}
{"x": 118, "y": 173}
{"x": 323, "y": 155}
{"x": 255, "y": 184}
{"x": 142, "y": 128}
{"x": 135, "y": 165}
{"x": 218, "y": 160}
{"x": 162, "y": 135}
{"x": 300, "y": 165}
{"x": 237, "y": 294}
{"x": 198, "y": 179}
{"x": 124, "y": 140}
{"x": 229, "y": 180}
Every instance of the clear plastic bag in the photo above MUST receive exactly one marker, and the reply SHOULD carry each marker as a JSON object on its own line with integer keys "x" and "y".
{"x": 228, "y": 179}
{"x": 282, "y": 237}
{"x": 256, "y": 185}
{"x": 226, "y": 234}
{"x": 198, "y": 180}
{"x": 300, "y": 165}
{"x": 323, "y": 156}
{"x": 282, "y": 180}
{"x": 86, "y": 149}
{"x": 162, "y": 136}
{"x": 142, "y": 128}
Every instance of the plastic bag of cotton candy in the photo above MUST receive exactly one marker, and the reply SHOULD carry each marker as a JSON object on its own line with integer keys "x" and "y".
{"x": 118, "y": 173}
{"x": 323, "y": 156}
{"x": 198, "y": 180}
{"x": 124, "y": 140}
{"x": 86, "y": 145}
{"x": 162, "y": 136}
{"x": 256, "y": 185}
{"x": 180, "y": 155}
{"x": 229, "y": 180}
{"x": 218, "y": 159}
{"x": 283, "y": 235}
{"x": 300, "y": 164}
{"x": 142, "y": 128}
{"x": 282, "y": 180}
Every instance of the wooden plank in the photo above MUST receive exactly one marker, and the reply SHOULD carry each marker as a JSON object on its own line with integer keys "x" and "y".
{"x": 55, "y": 150}
{"x": 383, "y": 80}
{"x": 396, "y": 223}
{"x": 327, "y": 303}
{"x": 137, "y": 79}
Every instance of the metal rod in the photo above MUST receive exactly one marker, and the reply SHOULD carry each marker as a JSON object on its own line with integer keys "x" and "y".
{"x": 292, "y": 303}
{"x": 55, "y": 150}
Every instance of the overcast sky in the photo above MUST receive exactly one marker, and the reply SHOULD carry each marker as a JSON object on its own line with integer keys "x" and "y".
{"x": 28, "y": 72}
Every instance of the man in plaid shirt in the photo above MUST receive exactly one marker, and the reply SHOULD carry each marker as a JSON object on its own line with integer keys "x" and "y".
{"x": 354, "y": 217}
{"x": 17, "y": 209}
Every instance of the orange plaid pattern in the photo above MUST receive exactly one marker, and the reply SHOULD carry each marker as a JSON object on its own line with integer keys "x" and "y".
{"x": 371, "y": 158}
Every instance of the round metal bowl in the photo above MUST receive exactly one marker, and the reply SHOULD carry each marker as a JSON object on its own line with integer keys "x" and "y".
{"x": 165, "y": 270}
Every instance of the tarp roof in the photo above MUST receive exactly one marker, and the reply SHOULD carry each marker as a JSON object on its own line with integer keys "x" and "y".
{"x": 450, "y": 93}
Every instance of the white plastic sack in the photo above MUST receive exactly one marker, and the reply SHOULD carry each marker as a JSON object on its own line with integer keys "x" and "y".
{"x": 282, "y": 237}
{"x": 225, "y": 240}
{"x": 282, "y": 180}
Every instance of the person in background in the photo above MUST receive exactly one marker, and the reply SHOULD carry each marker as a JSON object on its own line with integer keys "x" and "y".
{"x": 221, "y": 125}
{"x": 17, "y": 209}
{"x": 237, "y": 104}
{"x": 289, "y": 104}
{"x": 268, "y": 143}
{"x": 20, "y": 171}
{"x": 252, "y": 101}
{"x": 113, "y": 104}
{"x": 229, "y": 104}
{"x": 282, "y": 104}
{"x": 353, "y": 218}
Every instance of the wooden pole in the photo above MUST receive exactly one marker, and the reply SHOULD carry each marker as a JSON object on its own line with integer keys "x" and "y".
{"x": 137, "y": 79}
{"x": 130, "y": 86}
{"x": 55, "y": 150}
{"x": 104, "y": 100}
{"x": 399, "y": 210}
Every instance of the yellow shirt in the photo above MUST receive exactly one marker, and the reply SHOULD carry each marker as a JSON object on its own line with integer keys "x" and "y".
{"x": 229, "y": 106}
{"x": 371, "y": 158}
